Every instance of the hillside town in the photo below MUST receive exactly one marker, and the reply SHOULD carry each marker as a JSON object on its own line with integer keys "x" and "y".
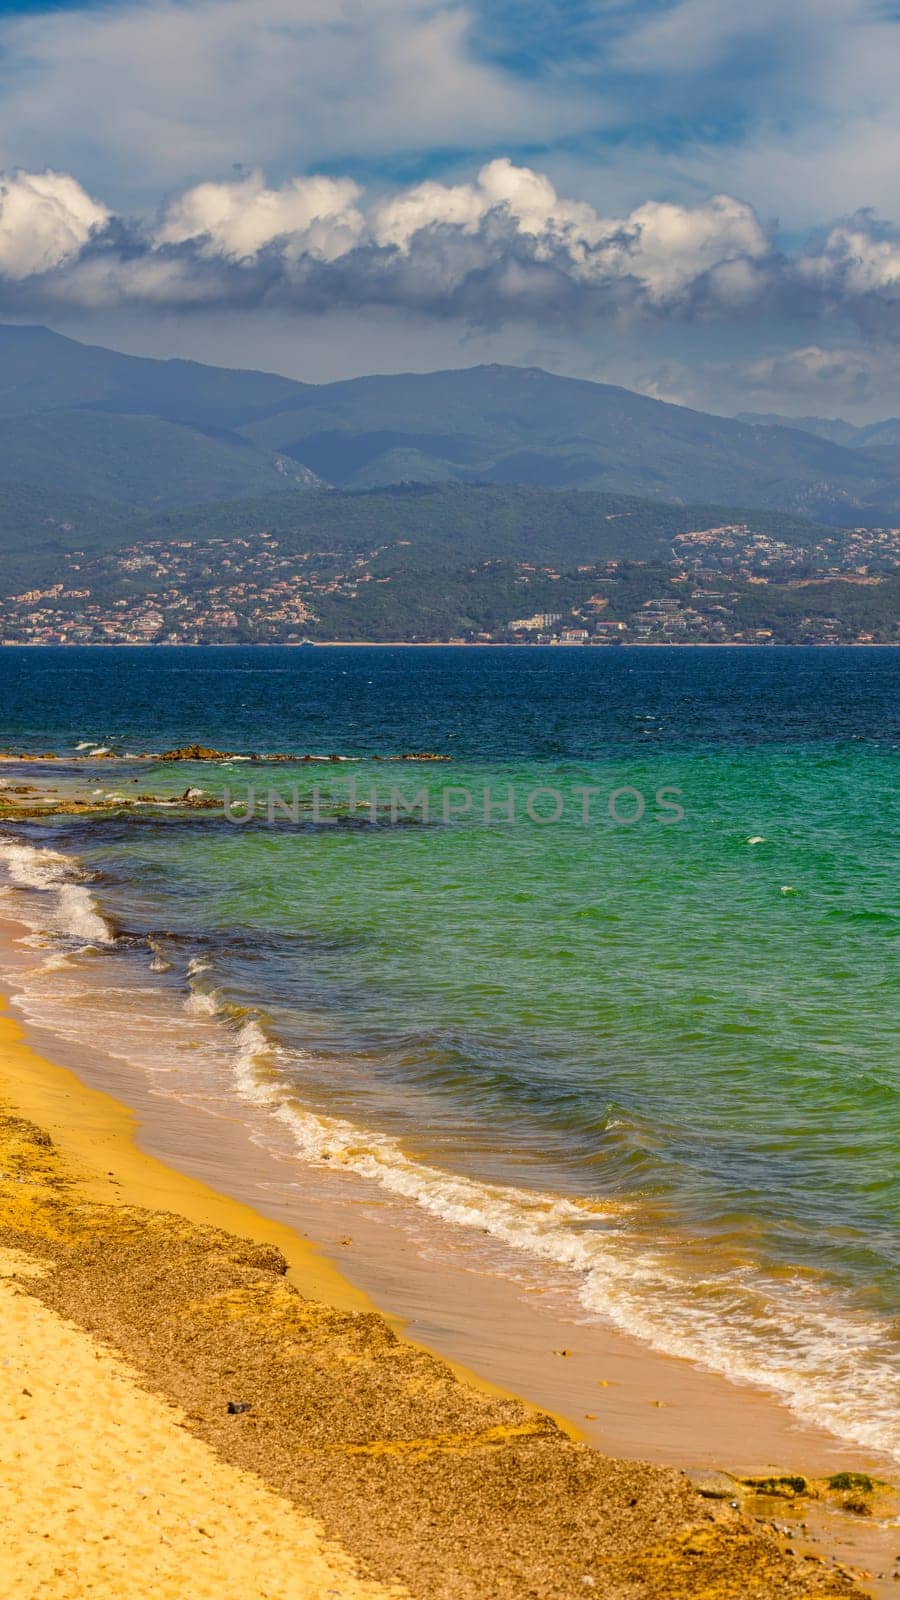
{"x": 727, "y": 584}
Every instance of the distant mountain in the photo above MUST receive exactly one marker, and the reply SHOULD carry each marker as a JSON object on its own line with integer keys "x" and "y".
{"x": 90, "y": 422}
{"x": 43, "y": 371}
{"x": 514, "y": 425}
{"x": 831, "y": 428}
{"x": 869, "y": 436}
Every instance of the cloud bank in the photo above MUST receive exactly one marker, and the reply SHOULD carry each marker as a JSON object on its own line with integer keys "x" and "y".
{"x": 504, "y": 247}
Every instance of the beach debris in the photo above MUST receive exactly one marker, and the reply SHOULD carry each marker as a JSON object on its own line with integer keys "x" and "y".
{"x": 562, "y": 1352}
{"x": 236, "y": 1408}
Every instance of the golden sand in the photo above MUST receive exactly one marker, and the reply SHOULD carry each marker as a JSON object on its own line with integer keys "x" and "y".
{"x": 139, "y": 1310}
{"x": 104, "y": 1493}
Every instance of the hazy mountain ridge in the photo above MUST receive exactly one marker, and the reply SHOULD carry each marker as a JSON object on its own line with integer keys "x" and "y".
{"x": 92, "y": 422}
{"x": 865, "y": 436}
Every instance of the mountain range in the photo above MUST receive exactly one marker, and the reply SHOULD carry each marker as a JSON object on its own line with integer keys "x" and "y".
{"x": 867, "y": 436}
{"x": 88, "y": 425}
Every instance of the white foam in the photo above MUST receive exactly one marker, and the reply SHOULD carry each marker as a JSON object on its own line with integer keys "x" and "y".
{"x": 62, "y": 904}
{"x": 56, "y": 962}
{"x": 255, "y": 1053}
{"x": 200, "y": 1003}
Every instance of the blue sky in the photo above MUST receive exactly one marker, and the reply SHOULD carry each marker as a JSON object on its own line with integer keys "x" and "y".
{"x": 788, "y": 108}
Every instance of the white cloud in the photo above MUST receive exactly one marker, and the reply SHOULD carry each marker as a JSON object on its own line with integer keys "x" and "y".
{"x": 664, "y": 248}
{"x": 807, "y": 367}
{"x": 313, "y": 216}
{"x": 508, "y": 237}
{"x": 504, "y": 247}
{"x": 45, "y": 220}
{"x": 854, "y": 260}
{"x": 669, "y": 247}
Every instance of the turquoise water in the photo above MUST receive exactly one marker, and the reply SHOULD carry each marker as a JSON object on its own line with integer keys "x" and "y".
{"x": 659, "y": 1056}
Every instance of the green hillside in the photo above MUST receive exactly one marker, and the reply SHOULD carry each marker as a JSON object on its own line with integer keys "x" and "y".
{"x": 442, "y": 524}
{"x": 138, "y": 460}
{"x": 459, "y": 522}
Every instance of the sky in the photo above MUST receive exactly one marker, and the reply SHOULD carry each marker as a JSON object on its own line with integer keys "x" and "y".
{"x": 692, "y": 198}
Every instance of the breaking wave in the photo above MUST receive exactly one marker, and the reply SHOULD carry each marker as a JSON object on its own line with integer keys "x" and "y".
{"x": 59, "y": 902}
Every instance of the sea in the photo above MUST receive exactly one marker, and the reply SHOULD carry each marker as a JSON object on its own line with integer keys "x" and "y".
{"x": 607, "y": 995}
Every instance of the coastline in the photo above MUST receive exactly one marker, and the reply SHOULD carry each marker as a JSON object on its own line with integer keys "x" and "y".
{"x": 387, "y": 1447}
{"x": 133, "y": 1146}
{"x": 445, "y": 644}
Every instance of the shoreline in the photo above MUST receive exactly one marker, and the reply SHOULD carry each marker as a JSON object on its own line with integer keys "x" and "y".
{"x": 503, "y": 1338}
{"x": 443, "y": 644}
{"x": 502, "y": 1335}
{"x": 136, "y": 1147}
{"x": 463, "y": 1441}
{"x": 502, "y": 1330}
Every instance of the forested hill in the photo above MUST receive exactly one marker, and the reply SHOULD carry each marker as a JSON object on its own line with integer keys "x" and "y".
{"x": 438, "y": 525}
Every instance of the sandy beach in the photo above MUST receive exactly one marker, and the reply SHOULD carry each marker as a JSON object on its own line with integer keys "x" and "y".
{"x": 190, "y": 1387}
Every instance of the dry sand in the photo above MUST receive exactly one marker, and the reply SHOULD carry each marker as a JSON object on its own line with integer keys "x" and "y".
{"x": 104, "y": 1493}
{"x": 134, "y": 1325}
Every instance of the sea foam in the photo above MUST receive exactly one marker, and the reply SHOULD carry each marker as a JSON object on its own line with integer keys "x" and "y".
{"x": 60, "y": 902}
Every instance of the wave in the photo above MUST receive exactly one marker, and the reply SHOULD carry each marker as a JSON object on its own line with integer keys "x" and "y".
{"x": 159, "y": 961}
{"x": 59, "y": 901}
{"x": 806, "y": 1342}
